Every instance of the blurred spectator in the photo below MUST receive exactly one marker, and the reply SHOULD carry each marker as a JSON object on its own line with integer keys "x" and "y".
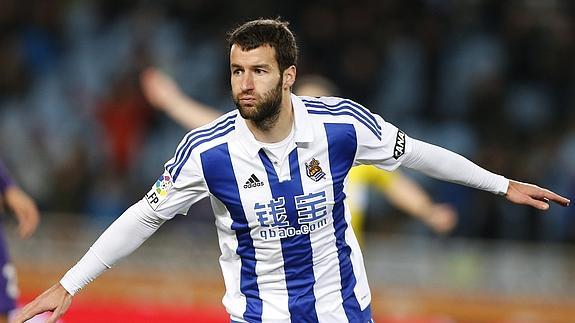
{"x": 124, "y": 117}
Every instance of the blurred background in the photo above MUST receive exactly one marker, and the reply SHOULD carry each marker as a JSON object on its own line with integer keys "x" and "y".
{"x": 492, "y": 80}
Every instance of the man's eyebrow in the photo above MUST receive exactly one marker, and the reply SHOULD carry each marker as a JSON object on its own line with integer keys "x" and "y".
{"x": 261, "y": 66}
{"x": 251, "y": 66}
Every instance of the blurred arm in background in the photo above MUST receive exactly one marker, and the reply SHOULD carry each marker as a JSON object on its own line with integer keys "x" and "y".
{"x": 165, "y": 95}
{"x": 21, "y": 205}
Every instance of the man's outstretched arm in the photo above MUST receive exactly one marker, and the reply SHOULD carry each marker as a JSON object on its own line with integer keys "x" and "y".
{"x": 123, "y": 236}
{"x": 446, "y": 165}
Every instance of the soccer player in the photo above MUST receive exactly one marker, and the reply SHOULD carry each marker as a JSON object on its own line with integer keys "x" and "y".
{"x": 26, "y": 212}
{"x": 276, "y": 173}
{"x": 164, "y": 94}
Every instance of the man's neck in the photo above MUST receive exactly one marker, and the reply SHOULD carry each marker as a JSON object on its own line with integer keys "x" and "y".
{"x": 281, "y": 127}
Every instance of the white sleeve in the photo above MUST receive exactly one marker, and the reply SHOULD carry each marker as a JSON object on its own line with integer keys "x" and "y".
{"x": 446, "y": 165}
{"x": 123, "y": 236}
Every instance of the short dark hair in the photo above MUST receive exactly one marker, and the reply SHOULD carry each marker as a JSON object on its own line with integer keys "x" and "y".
{"x": 272, "y": 32}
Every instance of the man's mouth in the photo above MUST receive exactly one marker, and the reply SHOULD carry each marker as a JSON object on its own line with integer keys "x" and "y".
{"x": 247, "y": 99}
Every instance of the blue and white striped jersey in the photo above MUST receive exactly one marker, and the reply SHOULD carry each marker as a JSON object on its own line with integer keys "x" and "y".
{"x": 288, "y": 251}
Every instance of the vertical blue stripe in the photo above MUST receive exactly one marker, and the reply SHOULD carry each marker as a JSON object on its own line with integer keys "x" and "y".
{"x": 342, "y": 145}
{"x": 221, "y": 181}
{"x": 296, "y": 250}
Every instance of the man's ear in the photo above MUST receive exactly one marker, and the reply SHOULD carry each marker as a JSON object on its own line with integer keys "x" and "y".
{"x": 289, "y": 77}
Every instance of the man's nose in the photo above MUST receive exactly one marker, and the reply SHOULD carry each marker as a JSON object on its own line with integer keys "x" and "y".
{"x": 247, "y": 82}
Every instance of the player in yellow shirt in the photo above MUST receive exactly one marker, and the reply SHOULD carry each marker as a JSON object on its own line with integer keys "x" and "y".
{"x": 403, "y": 193}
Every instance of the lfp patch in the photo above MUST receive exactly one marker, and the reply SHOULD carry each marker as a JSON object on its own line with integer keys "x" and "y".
{"x": 163, "y": 184}
{"x": 160, "y": 190}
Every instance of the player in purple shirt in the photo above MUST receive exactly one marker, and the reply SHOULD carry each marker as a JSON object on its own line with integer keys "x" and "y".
{"x": 26, "y": 212}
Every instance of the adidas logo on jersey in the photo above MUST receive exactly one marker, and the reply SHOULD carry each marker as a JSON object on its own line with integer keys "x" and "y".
{"x": 253, "y": 181}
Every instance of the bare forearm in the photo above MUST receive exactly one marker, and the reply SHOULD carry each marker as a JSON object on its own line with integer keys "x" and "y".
{"x": 163, "y": 93}
{"x": 407, "y": 196}
{"x": 190, "y": 113}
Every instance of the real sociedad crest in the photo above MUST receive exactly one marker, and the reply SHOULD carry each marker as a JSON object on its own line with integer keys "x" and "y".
{"x": 313, "y": 170}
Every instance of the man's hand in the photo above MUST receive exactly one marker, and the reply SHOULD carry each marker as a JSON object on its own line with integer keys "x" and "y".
{"x": 56, "y": 299}
{"x": 441, "y": 218}
{"x": 532, "y": 195}
{"x": 24, "y": 209}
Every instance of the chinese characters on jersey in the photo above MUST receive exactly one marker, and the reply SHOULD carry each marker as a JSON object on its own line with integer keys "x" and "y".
{"x": 273, "y": 218}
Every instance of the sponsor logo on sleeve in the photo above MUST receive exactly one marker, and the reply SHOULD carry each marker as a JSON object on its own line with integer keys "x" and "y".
{"x": 160, "y": 190}
{"x": 399, "y": 148}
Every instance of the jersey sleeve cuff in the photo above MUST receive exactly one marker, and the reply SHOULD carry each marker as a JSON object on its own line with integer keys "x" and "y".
{"x": 85, "y": 271}
{"x": 501, "y": 185}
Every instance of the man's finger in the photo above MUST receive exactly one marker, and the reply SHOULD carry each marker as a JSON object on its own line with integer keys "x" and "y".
{"x": 51, "y": 319}
{"x": 557, "y": 198}
{"x": 25, "y": 314}
{"x": 538, "y": 204}
{"x": 54, "y": 317}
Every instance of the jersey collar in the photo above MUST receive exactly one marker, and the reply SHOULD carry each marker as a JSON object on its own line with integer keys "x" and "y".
{"x": 303, "y": 129}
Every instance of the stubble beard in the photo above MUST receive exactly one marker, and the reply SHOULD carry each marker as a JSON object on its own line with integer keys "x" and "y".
{"x": 264, "y": 114}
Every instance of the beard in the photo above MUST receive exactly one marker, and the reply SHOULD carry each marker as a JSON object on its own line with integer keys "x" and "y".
{"x": 266, "y": 111}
